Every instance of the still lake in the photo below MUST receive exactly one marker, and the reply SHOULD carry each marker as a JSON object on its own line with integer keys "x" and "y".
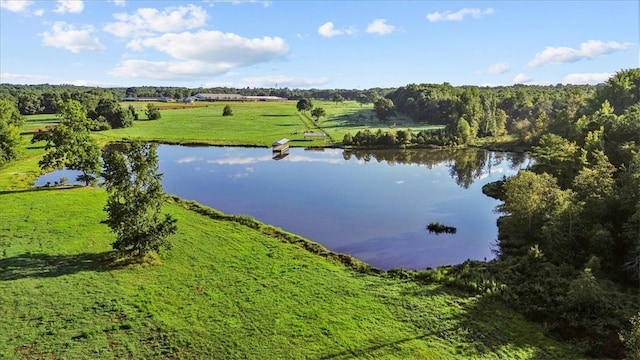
{"x": 373, "y": 205}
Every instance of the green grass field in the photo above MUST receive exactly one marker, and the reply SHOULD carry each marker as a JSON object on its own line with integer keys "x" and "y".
{"x": 254, "y": 124}
{"x": 225, "y": 291}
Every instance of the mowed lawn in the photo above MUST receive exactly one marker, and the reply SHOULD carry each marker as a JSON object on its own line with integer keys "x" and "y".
{"x": 225, "y": 291}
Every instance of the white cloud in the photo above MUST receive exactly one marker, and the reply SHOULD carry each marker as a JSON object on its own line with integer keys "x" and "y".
{"x": 23, "y": 78}
{"x": 283, "y": 81}
{"x": 69, "y": 6}
{"x": 586, "y": 78}
{"x": 38, "y": 12}
{"x": 66, "y": 36}
{"x": 213, "y": 84}
{"x": 240, "y": 160}
{"x": 118, "y": 2}
{"x": 497, "y": 68}
{"x": 188, "y": 159}
{"x": 169, "y": 70}
{"x": 380, "y": 27}
{"x": 238, "y": 2}
{"x": 587, "y": 50}
{"x": 149, "y": 21}
{"x": 216, "y": 48}
{"x": 89, "y": 83}
{"x": 458, "y": 15}
{"x": 522, "y": 79}
{"x": 328, "y": 30}
{"x": 15, "y": 5}
{"x": 309, "y": 159}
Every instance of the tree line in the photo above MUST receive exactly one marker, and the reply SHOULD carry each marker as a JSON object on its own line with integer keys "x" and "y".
{"x": 471, "y": 112}
{"x": 42, "y": 99}
{"x": 568, "y": 251}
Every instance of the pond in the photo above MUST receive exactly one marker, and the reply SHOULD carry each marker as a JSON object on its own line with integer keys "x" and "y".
{"x": 373, "y": 205}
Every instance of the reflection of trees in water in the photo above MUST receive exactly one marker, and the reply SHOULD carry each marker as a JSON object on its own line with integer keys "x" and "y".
{"x": 465, "y": 165}
{"x": 516, "y": 160}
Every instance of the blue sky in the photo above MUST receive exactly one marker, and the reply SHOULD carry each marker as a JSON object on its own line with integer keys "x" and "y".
{"x": 315, "y": 44}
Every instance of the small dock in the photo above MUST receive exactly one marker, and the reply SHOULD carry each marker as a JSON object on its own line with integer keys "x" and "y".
{"x": 280, "y": 149}
{"x": 281, "y": 146}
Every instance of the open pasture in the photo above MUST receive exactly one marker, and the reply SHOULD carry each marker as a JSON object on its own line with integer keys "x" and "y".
{"x": 252, "y": 124}
{"x": 255, "y": 123}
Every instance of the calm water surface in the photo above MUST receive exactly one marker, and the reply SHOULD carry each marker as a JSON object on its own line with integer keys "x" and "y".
{"x": 372, "y": 205}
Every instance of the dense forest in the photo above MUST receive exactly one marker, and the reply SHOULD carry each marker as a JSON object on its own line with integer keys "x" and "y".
{"x": 568, "y": 251}
{"x": 569, "y": 233}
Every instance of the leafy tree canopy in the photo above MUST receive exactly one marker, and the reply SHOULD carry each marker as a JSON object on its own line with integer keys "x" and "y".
{"x": 135, "y": 200}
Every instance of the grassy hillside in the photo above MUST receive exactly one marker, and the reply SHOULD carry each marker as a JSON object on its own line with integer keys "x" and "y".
{"x": 225, "y": 290}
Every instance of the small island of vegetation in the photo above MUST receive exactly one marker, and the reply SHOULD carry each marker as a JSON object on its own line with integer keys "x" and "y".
{"x": 438, "y": 228}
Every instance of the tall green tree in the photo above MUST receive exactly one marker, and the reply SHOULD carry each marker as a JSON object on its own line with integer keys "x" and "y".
{"x": 29, "y": 103}
{"x": 10, "y": 139}
{"x": 362, "y": 99}
{"x": 113, "y": 113}
{"x": 337, "y": 98}
{"x": 317, "y": 113}
{"x": 135, "y": 200}
{"x": 384, "y": 108}
{"x": 70, "y": 143}
{"x": 304, "y": 105}
{"x": 532, "y": 203}
{"x": 621, "y": 91}
{"x": 464, "y": 131}
{"x": 559, "y": 157}
{"x": 153, "y": 112}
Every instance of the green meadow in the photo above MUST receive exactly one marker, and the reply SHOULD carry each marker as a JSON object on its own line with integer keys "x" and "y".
{"x": 254, "y": 123}
{"x": 231, "y": 288}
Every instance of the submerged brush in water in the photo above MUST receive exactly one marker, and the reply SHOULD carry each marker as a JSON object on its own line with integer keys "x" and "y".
{"x": 438, "y": 228}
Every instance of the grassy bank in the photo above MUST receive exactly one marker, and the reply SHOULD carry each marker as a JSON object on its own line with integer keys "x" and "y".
{"x": 224, "y": 291}
{"x": 230, "y": 288}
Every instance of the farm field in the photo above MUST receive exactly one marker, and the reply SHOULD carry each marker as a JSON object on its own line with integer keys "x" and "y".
{"x": 253, "y": 123}
{"x": 225, "y": 290}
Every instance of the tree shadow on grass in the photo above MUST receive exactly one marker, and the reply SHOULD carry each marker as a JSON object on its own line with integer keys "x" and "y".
{"x": 367, "y": 351}
{"x": 41, "y": 188}
{"x": 490, "y": 328}
{"x": 46, "y": 265}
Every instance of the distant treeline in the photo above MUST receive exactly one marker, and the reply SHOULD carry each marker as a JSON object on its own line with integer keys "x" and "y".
{"x": 42, "y": 99}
